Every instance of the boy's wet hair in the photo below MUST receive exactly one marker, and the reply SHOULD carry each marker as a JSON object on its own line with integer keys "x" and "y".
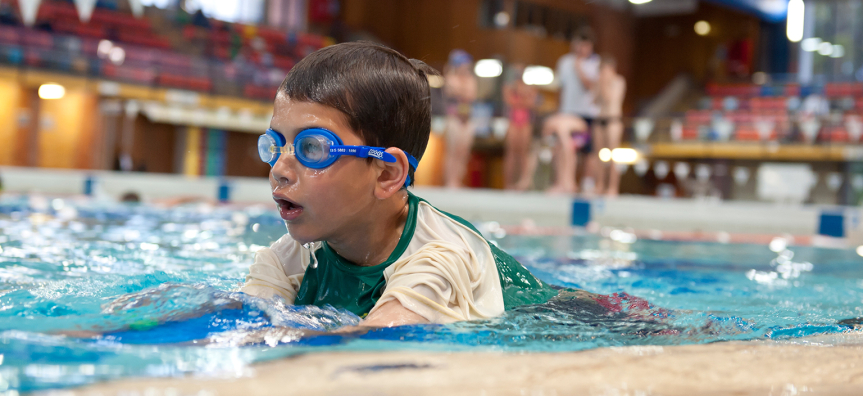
{"x": 385, "y": 95}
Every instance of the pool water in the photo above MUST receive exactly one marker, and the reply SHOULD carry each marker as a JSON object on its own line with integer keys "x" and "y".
{"x": 159, "y": 284}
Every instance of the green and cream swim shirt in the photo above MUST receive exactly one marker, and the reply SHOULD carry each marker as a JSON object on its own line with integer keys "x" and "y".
{"x": 441, "y": 269}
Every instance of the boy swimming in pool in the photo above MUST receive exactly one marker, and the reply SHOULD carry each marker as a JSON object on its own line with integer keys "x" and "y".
{"x": 350, "y": 123}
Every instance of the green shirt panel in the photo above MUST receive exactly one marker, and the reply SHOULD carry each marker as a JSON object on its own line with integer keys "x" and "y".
{"x": 339, "y": 283}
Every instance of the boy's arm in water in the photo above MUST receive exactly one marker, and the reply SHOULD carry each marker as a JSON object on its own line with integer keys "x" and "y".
{"x": 389, "y": 314}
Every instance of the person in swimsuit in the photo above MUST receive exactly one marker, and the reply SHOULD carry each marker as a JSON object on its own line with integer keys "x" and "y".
{"x": 460, "y": 91}
{"x": 521, "y": 100}
{"x": 576, "y": 75}
{"x": 611, "y": 89}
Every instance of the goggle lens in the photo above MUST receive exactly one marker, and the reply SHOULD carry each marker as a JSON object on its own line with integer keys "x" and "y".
{"x": 267, "y": 148}
{"x": 313, "y": 149}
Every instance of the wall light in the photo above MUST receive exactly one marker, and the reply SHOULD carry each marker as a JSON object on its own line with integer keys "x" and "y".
{"x": 488, "y": 68}
{"x": 811, "y": 44}
{"x": 702, "y": 28}
{"x": 51, "y": 91}
{"x": 825, "y": 49}
{"x": 838, "y": 51}
{"x": 104, "y": 48}
{"x": 117, "y": 55}
{"x": 640, "y": 1}
{"x": 794, "y": 28}
{"x": 624, "y": 155}
{"x": 537, "y": 75}
{"x": 501, "y": 19}
{"x": 605, "y": 155}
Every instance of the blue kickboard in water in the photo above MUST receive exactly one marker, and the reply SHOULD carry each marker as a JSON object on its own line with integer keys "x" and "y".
{"x": 186, "y": 330}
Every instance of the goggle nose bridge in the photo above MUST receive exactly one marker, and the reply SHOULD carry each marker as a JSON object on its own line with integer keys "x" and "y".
{"x": 286, "y": 149}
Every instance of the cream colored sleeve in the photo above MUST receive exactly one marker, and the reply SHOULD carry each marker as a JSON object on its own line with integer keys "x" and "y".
{"x": 278, "y": 270}
{"x": 444, "y": 282}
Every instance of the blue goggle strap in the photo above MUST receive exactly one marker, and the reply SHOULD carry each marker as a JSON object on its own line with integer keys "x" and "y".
{"x": 414, "y": 164}
{"x": 363, "y": 152}
{"x": 374, "y": 152}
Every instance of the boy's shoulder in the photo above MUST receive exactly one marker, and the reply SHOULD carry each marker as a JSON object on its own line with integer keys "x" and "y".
{"x": 442, "y": 225}
{"x": 518, "y": 285}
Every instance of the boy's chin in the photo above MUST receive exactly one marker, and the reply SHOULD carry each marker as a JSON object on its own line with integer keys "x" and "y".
{"x": 302, "y": 235}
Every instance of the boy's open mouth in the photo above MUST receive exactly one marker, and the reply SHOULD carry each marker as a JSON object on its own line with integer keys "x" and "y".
{"x": 287, "y": 209}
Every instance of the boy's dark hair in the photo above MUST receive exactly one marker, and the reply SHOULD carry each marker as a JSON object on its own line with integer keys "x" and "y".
{"x": 385, "y": 95}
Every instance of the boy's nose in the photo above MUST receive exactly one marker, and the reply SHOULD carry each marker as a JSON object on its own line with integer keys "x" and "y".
{"x": 284, "y": 171}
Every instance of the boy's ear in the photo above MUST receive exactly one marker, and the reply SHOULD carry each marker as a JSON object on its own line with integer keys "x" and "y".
{"x": 392, "y": 175}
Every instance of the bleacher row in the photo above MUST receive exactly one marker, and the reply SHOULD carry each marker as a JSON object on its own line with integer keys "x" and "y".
{"x": 237, "y": 60}
{"x": 828, "y": 113}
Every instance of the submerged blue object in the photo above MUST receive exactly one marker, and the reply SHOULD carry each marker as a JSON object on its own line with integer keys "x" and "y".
{"x": 318, "y": 148}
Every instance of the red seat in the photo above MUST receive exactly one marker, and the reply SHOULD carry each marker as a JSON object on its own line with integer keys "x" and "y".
{"x": 9, "y": 35}
{"x": 188, "y": 82}
{"x": 35, "y": 38}
{"x": 259, "y": 91}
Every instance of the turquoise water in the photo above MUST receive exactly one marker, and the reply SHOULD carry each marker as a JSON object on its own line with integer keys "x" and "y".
{"x": 159, "y": 284}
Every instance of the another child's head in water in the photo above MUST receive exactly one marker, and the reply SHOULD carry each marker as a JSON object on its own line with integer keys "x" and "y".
{"x": 366, "y": 95}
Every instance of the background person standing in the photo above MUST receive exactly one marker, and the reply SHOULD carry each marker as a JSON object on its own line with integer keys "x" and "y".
{"x": 576, "y": 74}
{"x": 460, "y": 90}
{"x": 608, "y": 128}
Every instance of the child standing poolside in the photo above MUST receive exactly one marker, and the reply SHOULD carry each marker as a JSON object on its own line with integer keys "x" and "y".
{"x": 460, "y": 90}
{"x": 611, "y": 89}
{"x": 358, "y": 116}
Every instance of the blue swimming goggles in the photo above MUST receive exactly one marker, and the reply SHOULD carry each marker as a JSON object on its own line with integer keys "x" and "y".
{"x": 318, "y": 148}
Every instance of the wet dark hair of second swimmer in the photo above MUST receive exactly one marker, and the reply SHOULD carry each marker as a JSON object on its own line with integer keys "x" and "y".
{"x": 385, "y": 95}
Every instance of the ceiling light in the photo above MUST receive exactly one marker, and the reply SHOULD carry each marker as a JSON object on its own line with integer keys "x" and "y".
{"x": 702, "y": 28}
{"x": 794, "y": 28}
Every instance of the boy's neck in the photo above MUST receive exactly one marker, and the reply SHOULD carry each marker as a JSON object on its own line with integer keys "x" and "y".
{"x": 371, "y": 242}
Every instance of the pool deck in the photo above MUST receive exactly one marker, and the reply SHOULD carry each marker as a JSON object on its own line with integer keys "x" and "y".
{"x": 816, "y": 365}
